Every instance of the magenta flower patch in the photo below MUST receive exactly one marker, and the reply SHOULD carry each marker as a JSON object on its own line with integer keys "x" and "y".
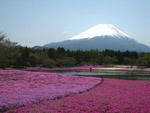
{"x": 112, "y": 96}
{"x": 21, "y": 88}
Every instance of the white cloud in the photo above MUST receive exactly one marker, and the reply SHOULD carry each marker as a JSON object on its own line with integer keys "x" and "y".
{"x": 65, "y": 32}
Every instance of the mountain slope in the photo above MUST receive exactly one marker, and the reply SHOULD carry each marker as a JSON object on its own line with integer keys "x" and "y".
{"x": 102, "y": 36}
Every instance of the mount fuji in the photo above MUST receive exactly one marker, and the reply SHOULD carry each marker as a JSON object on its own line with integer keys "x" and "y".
{"x": 101, "y": 36}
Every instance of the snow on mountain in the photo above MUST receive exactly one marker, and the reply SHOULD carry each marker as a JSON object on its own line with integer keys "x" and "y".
{"x": 101, "y": 30}
{"x": 101, "y": 37}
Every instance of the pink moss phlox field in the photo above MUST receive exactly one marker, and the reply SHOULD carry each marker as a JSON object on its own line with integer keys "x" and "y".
{"x": 112, "y": 96}
{"x": 20, "y": 88}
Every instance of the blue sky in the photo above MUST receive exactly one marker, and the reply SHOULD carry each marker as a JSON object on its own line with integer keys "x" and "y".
{"x": 38, "y": 22}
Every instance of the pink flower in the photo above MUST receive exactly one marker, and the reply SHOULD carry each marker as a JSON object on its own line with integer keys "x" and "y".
{"x": 20, "y": 88}
{"x": 112, "y": 96}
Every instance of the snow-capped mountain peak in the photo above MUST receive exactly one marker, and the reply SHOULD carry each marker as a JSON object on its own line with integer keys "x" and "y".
{"x": 101, "y": 30}
{"x": 101, "y": 37}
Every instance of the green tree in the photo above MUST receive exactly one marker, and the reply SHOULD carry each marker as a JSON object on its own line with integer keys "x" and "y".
{"x": 66, "y": 61}
{"x": 129, "y": 61}
{"x": 33, "y": 59}
{"x": 6, "y": 50}
{"x": 141, "y": 61}
{"x": 60, "y": 52}
{"x": 52, "y": 53}
{"x": 47, "y": 62}
{"x": 109, "y": 60}
{"x": 144, "y": 61}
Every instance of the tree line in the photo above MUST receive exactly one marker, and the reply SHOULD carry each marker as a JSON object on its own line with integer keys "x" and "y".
{"x": 14, "y": 55}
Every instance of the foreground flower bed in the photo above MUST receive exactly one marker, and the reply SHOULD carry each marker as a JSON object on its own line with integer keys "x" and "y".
{"x": 20, "y": 88}
{"x": 113, "y": 96}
